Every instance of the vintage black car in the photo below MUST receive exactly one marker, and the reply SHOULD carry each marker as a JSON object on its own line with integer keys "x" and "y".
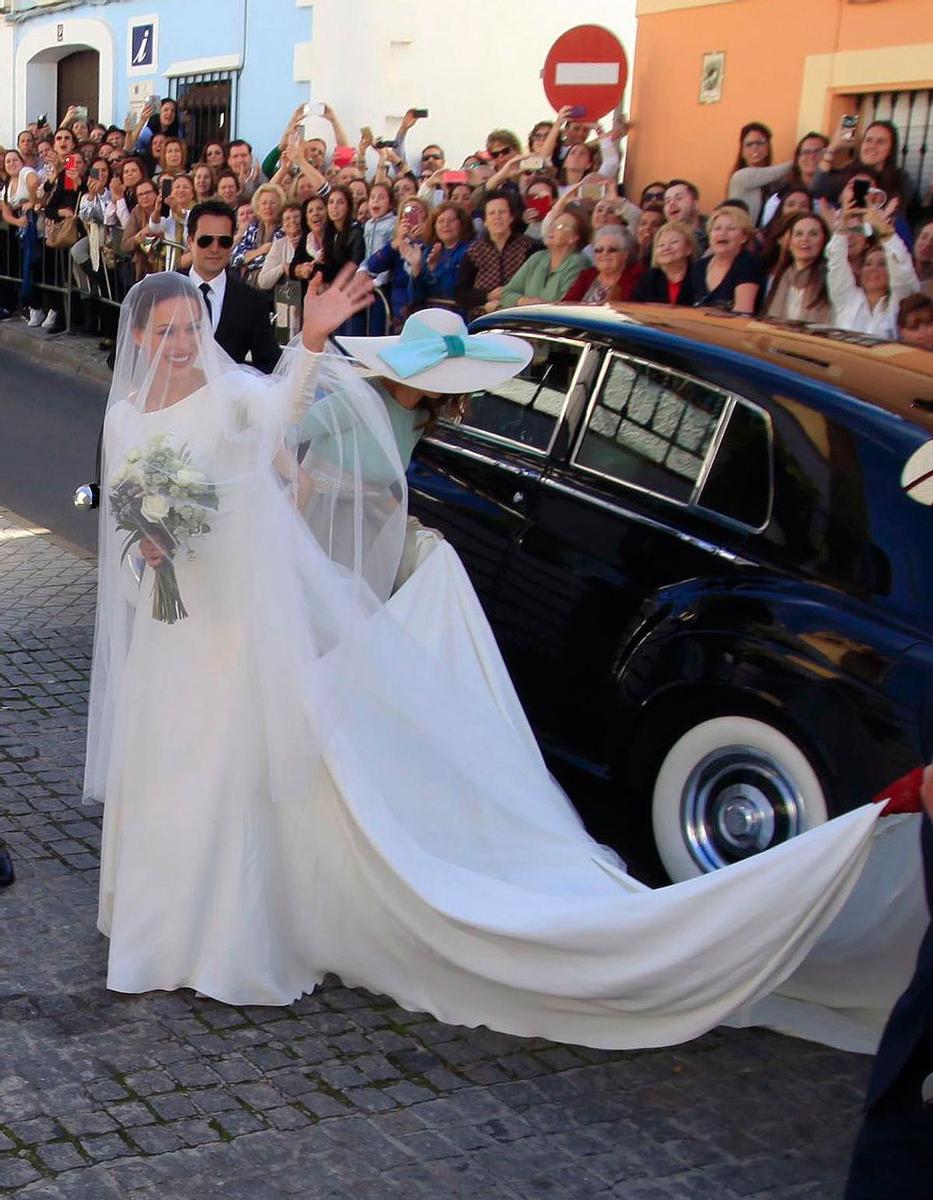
{"x": 689, "y": 534}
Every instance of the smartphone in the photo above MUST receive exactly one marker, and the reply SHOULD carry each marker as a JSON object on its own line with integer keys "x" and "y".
{"x": 860, "y": 192}
{"x": 850, "y": 124}
{"x": 314, "y": 108}
{"x": 165, "y": 187}
{"x": 532, "y": 162}
{"x": 73, "y": 162}
{"x": 153, "y": 102}
{"x": 420, "y": 113}
{"x": 41, "y": 120}
{"x": 408, "y": 210}
{"x": 384, "y": 144}
{"x": 366, "y": 133}
{"x": 455, "y": 177}
{"x": 592, "y": 191}
{"x": 577, "y": 112}
{"x": 94, "y": 173}
{"x": 81, "y": 112}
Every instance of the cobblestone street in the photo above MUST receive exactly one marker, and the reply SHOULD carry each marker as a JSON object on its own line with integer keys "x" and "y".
{"x": 343, "y": 1094}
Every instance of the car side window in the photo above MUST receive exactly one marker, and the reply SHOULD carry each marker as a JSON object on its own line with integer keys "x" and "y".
{"x": 651, "y": 428}
{"x": 739, "y": 482}
{"x": 526, "y": 409}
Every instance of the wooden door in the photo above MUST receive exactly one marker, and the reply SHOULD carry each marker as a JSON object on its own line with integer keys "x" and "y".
{"x": 79, "y": 82}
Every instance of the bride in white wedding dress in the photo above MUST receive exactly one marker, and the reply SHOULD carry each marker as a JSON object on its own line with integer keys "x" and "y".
{"x": 302, "y": 775}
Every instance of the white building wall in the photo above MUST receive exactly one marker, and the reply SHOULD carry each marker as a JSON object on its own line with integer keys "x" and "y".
{"x": 475, "y": 67}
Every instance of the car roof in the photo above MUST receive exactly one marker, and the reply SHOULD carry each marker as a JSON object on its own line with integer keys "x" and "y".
{"x": 888, "y": 374}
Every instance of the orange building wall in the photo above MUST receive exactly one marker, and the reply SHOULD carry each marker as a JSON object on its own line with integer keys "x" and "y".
{"x": 766, "y": 43}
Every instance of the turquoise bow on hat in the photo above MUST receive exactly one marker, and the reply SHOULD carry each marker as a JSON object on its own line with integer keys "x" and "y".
{"x": 419, "y": 348}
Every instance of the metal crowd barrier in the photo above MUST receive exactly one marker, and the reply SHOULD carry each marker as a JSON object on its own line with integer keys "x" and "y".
{"x": 51, "y": 271}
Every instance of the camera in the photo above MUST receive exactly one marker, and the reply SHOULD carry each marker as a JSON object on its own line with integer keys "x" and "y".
{"x": 384, "y": 144}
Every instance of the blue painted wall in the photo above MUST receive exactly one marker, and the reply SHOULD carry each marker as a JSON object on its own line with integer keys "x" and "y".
{"x": 264, "y": 32}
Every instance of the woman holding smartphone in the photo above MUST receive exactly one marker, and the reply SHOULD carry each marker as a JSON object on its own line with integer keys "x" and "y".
{"x": 878, "y": 151}
{"x": 867, "y": 301}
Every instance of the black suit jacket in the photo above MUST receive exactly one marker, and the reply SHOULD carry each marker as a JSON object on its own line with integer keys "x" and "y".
{"x": 910, "y": 1026}
{"x": 244, "y": 326}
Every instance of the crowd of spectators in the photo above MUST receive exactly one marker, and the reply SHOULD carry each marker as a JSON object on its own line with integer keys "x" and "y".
{"x": 833, "y": 234}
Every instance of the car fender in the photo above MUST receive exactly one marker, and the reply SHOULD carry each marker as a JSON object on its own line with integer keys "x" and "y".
{"x": 838, "y": 681}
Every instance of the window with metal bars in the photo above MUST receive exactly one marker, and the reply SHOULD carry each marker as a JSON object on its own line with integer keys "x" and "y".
{"x": 911, "y": 113}
{"x": 209, "y": 104}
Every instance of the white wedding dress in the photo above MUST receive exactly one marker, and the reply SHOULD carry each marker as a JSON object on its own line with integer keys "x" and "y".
{"x": 416, "y": 844}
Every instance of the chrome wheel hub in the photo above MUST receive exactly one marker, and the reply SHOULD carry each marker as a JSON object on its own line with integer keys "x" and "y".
{"x": 738, "y": 801}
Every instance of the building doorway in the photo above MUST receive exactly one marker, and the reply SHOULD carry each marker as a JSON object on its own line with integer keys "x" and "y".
{"x": 79, "y": 82}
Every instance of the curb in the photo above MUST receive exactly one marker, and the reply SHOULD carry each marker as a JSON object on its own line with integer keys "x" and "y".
{"x": 63, "y": 352}
{"x": 10, "y": 517}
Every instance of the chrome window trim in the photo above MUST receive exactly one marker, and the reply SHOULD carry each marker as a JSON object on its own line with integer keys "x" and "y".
{"x": 640, "y": 518}
{"x": 731, "y": 401}
{"x": 489, "y": 459}
{"x": 586, "y": 351}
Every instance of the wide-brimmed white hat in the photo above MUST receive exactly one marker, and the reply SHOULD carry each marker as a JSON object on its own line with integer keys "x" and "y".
{"x": 436, "y": 352}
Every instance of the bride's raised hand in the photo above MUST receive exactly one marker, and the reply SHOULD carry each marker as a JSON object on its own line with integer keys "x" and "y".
{"x": 350, "y": 292}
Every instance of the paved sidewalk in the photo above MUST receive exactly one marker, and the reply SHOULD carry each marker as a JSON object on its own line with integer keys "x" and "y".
{"x": 343, "y": 1094}
{"x": 75, "y": 353}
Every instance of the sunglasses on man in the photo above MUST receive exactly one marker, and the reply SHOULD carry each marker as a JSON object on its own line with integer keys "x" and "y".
{"x": 224, "y": 240}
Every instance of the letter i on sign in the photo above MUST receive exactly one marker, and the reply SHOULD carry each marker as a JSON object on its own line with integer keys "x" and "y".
{"x": 143, "y": 51}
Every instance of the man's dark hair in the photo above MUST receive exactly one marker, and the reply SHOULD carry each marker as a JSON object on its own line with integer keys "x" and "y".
{"x": 210, "y": 208}
{"x": 238, "y": 142}
{"x": 691, "y": 187}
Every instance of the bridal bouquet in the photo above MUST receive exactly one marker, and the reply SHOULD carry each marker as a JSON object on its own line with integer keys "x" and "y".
{"x": 157, "y": 494}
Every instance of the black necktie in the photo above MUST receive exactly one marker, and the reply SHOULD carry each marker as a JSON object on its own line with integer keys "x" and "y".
{"x": 206, "y": 293}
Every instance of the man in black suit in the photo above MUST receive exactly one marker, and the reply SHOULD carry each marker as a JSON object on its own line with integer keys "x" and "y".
{"x": 893, "y": 1157}
{"x": 240, "y": 316}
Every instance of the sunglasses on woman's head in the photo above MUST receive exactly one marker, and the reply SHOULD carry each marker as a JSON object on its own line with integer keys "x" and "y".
{"x": 224, "y": 240}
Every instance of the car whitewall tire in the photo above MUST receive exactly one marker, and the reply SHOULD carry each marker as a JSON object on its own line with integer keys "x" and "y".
{"x": 728, "y": 788}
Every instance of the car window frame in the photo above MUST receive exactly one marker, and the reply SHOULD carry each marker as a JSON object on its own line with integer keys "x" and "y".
{"x": 731, "y": 402}
{"x": 587, "y": 352}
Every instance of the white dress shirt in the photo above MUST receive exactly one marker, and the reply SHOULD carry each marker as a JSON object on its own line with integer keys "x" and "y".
{"x": 218, "y": 286}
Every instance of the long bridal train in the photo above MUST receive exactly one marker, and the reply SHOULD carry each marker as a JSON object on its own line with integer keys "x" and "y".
{"x": 435, "y": 860}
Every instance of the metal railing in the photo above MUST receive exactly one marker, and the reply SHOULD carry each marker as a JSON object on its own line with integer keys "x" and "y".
{"x": 51, "y": 272}
{"x": 48, "y": 270}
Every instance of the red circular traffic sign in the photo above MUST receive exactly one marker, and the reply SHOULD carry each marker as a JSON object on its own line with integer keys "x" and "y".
{"x": 586, "y": 67}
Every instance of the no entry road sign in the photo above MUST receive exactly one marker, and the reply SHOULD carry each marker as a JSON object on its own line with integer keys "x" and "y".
{"x": 586, "y": 67}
